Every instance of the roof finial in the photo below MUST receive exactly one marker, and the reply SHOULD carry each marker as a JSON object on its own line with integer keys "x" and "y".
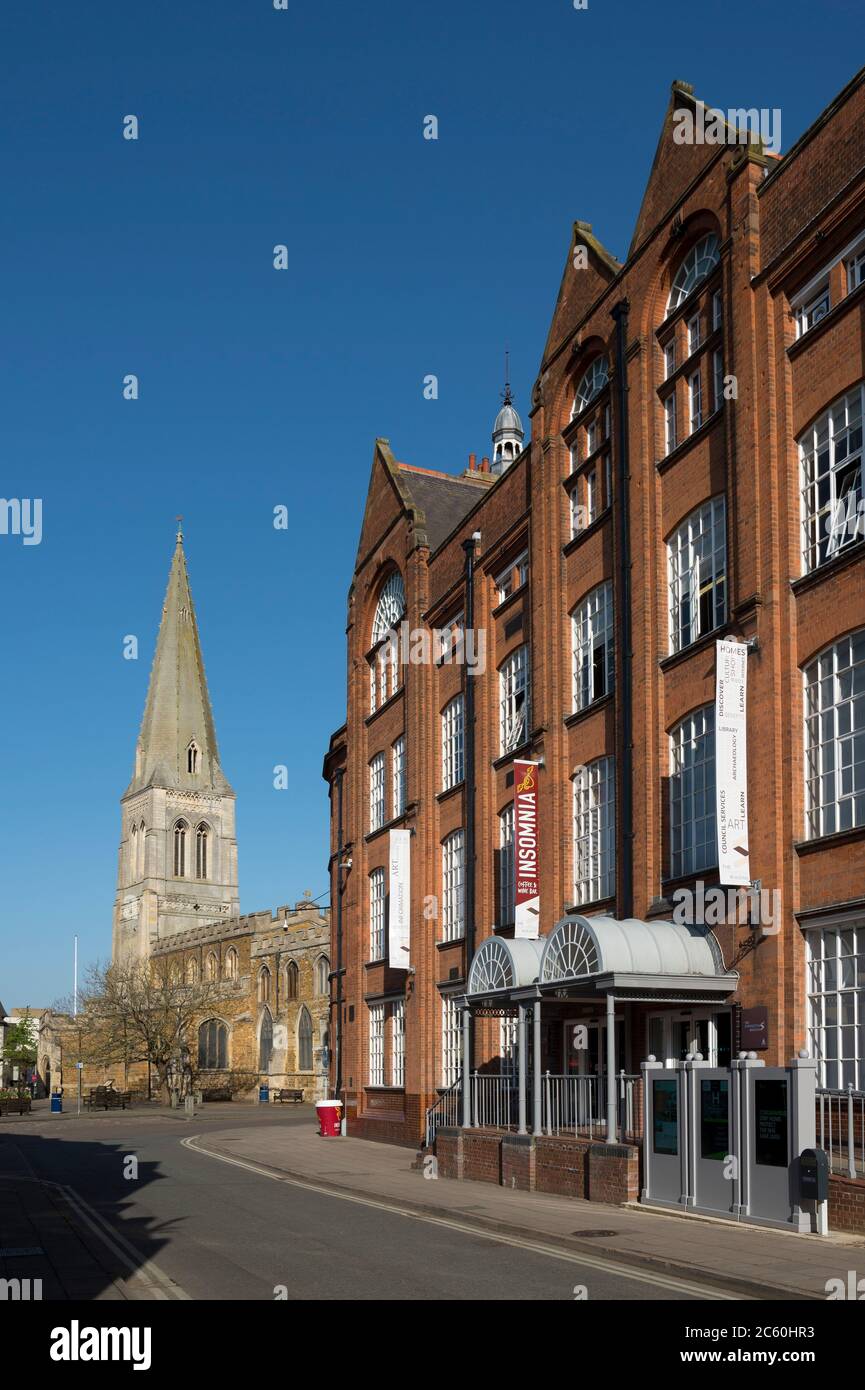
{"x": 179, "y": 521}
{"x": 506, "y": 394}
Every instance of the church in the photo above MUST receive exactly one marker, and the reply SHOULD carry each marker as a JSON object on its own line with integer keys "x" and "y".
{"x": 177, "y": 897}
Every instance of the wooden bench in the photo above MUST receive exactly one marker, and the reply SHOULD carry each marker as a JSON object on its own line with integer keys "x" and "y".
{"x": 287, "y": 1093}
{"x": 107, "y": 1098}
{"x": 217, "y": 1093}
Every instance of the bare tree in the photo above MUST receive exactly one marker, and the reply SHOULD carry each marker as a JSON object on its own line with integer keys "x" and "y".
{"x": 145, "y": 1011}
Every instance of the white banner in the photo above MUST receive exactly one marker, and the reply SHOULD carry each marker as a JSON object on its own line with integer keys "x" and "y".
{"x": 731, "y": 762}
{"x": 399, "y": 889}
{"x": 527, "y": 901}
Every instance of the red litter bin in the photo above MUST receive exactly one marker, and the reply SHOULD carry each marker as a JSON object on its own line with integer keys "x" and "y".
{"x": 329, "y": 1118}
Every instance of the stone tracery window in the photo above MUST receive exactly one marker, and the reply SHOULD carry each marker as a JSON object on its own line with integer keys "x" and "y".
{"x": 180, "y": 834}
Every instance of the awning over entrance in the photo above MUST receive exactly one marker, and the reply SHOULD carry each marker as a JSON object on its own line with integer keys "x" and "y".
{"x": 594, "y": 955}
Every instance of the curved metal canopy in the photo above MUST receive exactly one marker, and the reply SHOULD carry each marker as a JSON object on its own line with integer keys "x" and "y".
{"x": 502, "y": 964}
{"x": 581, "y": 946}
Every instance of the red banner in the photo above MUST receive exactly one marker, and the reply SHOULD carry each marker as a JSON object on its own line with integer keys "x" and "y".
{"x": 526, "y": 851}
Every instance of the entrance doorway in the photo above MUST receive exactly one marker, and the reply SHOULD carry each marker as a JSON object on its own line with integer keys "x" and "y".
{"x": 671, "y": 1037}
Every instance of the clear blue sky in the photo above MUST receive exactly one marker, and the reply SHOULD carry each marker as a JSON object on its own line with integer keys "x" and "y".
{"x": 258, "y": 387}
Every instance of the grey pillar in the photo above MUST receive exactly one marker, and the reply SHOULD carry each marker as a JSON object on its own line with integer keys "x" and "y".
{"x": 611, "y": 1069}
{"x": 536, "y": 1064}
{"x": 521, "y": 1062}
{"x": 467, "y": 1061}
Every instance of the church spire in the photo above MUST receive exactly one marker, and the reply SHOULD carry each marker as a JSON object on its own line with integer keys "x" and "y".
{"x": 177, "y": 743}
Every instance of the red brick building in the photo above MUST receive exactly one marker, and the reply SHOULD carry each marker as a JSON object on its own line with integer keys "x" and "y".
{"x": 694, "y": 473}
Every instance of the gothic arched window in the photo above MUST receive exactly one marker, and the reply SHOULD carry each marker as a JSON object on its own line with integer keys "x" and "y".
{"x": 192, "y": 971}
{"x": 322, "y": 970}
{"x": 192, "y": 757}
{"x": 212, "y": 966}
{"x": 265, "y": 1042}
{"x": 304, "y": 1041}
{"x": 291, "y": 980}
{"x": 263, "y": 985}
{"x": 133, "y": 853}
{"x": 141, "y": 865}
{"x": 201, "y": 835}
{"x": 180, "y": 832}
{"x": 231, "y": 964}
{"x": 699, "y": 262}
{"x": 213, "y": 1045}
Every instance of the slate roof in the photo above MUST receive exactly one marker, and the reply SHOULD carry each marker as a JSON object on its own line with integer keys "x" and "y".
{"x": 444, "y": 500}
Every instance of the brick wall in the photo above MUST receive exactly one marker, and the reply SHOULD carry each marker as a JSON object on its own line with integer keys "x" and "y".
{"x": 847, "y": 1205}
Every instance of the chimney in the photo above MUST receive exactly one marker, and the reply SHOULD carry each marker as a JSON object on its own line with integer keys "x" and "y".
{"x": 473, "y": 463}
{"x": 485, "y": 464}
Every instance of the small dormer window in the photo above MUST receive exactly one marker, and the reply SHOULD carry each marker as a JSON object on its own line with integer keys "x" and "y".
{"x": 192, "y": 757}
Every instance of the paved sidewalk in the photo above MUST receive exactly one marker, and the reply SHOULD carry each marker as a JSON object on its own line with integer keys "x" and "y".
{"x": 762, "y": 1263}
{"x": 44, "y": 1237}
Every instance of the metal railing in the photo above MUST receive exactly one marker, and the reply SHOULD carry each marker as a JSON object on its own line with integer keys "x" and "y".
{"x": 841, "y": 1130}
{"x": 569, "y": 1105}
{"x": 578, "y": 1105}
{"x": 447, "y": 1110}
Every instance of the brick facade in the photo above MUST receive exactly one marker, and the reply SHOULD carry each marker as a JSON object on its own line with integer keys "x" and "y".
{"x": 776, "y": 223}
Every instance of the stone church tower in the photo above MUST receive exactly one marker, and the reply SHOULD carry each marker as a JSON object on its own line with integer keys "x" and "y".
{"x": 178, "y": 852}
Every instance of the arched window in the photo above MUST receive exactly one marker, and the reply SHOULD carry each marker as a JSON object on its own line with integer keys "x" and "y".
{"x": 192, "y": 971}
{"x": 212, "y": 1045}
{"x": 133, "y": 853}
{"x": 212, "y": 966}
{"x": 201, "y": 836}
{"x": 322, "y": 970}
{"x": 390, "y": 606}
{"x": 180, "y": 832}
{"x": 192, "y": 757}
{"x": 263, "y": 985}
{"x": 265, "y": 1042}
{"x": 291, "y": 980}
{"x": 304, "y": 1041}
{"x": 591, "y": 384}
{"x": 231, "y": 964}
{"x": 141, "y": 865}
{"x": 699, "y": 262}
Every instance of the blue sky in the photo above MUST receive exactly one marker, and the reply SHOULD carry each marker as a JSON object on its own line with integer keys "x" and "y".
{"x": 259, "y": 387}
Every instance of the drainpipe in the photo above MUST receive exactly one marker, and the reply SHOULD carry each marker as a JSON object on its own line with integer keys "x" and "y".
{"x": 337, "y": 1037}
{"x": 624, "y": 680}
{"x": 469, "y": 705}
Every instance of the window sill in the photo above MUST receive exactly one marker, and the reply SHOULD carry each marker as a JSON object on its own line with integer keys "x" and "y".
{"x": 371, "y": 964}
{"x": 575, "y": 542}
{"x": 377, "y": 1089}
{"x": 709, "y": 877}
{"x": 451, "y": 791}
{"x": 848, "y": 556}
{"x": 451, "y": 941}
{"x": 684, "y": 445}
{"x": 701, "y": 644}
{"x": 386, "y": 825}
{"x": 516, "y": 753}
{"x": 507, "y": 602}
{"x": 578, "y": 715}
{"x": 585, "y": 909}
{"x": 836, "y": 312}
{"x": 391, "y": 700}
{"x": 820, "y": 842}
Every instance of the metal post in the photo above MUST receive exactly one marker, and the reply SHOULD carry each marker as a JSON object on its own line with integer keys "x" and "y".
{"x": 467, "y": 1061}
{"x": 521, "y": 1064}
{"x": 611, "y": 1069}
{"x": 851, "y": 1143}
{"x": 536, "y": 1065}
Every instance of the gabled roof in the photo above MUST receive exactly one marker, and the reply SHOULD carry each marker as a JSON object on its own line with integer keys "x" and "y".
{"x": 435, "y": 503}
{"x": 674, "y": 167}
{"x": 579, "y": 287}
